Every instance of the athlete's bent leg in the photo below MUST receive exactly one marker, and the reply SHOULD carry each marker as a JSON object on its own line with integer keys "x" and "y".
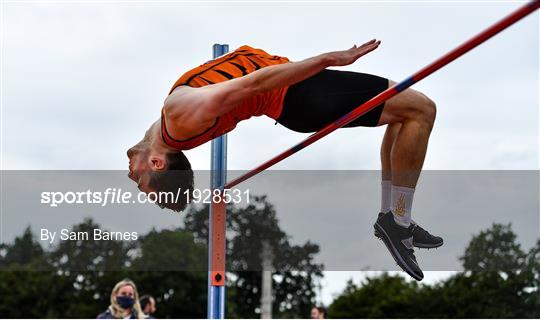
{"x": 421, "y": 238}
{"x": 416, "y": 115}
{"x": 410, "y": 117}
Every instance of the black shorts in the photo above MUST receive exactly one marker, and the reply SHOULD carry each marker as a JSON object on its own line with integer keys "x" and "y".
{"x": 325, "y": 97}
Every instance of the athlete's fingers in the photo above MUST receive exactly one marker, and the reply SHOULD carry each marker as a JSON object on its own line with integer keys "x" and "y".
{"x": 371, "y": 48}
{"x": 367, "y": 49}
{"x": 368, "y": 43}
{"x": 363, "y": 45}
{"x": 373, "y": 45}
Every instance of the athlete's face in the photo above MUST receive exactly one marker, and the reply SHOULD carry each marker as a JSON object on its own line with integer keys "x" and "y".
{"x": 139, "y": 164}
{"x": 147, "y": 156}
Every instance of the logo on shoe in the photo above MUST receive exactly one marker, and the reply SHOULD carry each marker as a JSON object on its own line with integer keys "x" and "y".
{"x": 399, "y": 207}
{"x": 408, "y": 243}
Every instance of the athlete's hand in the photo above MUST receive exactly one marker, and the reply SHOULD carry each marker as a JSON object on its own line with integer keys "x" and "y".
{"x": 346, "y": 57}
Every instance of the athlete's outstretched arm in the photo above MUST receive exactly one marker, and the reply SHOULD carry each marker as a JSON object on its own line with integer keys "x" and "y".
{"x": 209, "y": 102}
{"x": 282, "y": 75}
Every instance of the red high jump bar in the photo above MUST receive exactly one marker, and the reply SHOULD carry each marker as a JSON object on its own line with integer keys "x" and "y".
{"x": 395, "y": 89}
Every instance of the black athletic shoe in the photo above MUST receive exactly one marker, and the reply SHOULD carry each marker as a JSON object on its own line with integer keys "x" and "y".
{"x": 399, "y": 241}
{"x": 421, "y": 238}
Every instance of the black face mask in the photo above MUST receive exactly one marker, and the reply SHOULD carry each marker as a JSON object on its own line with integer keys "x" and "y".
{"x": 125, "y": 301}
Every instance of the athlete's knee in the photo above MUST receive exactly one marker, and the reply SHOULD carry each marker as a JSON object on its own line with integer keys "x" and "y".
{"x": 413, "y": 106}
{"x": 427, "y": 110}
{"x": 431, "y": 110}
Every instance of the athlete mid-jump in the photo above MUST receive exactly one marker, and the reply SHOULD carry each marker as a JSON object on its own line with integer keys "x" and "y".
{"x": 304, "y": 96}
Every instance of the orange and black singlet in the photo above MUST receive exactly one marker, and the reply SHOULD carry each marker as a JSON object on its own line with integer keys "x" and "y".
{"x": 238, "y": 63}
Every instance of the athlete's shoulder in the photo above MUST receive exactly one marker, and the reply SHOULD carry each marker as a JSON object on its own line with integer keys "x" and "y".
{"x": 245, "y": 47}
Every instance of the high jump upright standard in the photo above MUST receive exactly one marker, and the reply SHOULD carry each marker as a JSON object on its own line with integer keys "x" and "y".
{"x": 216, "y": 221}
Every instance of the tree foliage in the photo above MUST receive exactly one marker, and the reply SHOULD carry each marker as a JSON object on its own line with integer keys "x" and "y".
{"x": 73, "y": 279}
{"x": 499, "y": 280}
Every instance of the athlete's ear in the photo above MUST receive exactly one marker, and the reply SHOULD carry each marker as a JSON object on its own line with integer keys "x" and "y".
{"x": 157, "y": 162}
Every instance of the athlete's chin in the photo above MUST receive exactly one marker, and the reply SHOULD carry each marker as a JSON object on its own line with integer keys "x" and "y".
{"x": 131, "y": 176}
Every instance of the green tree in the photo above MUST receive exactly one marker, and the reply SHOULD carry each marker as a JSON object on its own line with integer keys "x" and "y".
{"x": 173, "y": 268}
{"x": 21, "y": 282}
{"x": 496, "y": 278}
{"x": 77, "y": 276}
{"x": 380, "y": 297}
{"x": 494, "y": 249}
{"x": 24, "y": 250}
{"x": 83, "y": 272}
{"x": 499, "y": 280}
{"x": 532, "y": 296}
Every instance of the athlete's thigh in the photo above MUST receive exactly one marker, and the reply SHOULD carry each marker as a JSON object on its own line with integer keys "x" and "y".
{"x": 402, "y": 106}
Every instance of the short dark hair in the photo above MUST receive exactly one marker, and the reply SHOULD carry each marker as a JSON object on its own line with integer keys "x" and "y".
{"x": 177, "y": 176}
{"x": 144, "y": 301}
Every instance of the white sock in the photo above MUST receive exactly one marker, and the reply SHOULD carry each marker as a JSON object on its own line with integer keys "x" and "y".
{"x": 402, "y": 198}
{"x": 386, "y": 193}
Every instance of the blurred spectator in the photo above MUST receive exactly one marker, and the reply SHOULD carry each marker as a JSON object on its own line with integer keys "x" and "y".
{"x": 318, "y": 313}
{"x": 148, "y": 306}
{"x": 124, "y": 302}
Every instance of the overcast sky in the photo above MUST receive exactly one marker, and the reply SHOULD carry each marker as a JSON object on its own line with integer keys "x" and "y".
{"x": 83, "y": 81}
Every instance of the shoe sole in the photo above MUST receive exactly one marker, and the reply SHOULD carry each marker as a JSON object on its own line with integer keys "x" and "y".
{"x": 395, "y": 254}
{"x": 416, "y": 244}
{"x": 427, "y": 245}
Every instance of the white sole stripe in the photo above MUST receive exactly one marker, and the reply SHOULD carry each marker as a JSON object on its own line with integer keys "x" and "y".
{"x": 417, "y": 244}
{"x": 395, "y": 253}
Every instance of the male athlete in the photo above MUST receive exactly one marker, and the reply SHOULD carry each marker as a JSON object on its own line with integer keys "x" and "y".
{"x": 304, "y": 96}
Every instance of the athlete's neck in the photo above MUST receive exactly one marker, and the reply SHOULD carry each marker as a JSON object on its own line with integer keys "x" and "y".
{"x": 156, "y": 140}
